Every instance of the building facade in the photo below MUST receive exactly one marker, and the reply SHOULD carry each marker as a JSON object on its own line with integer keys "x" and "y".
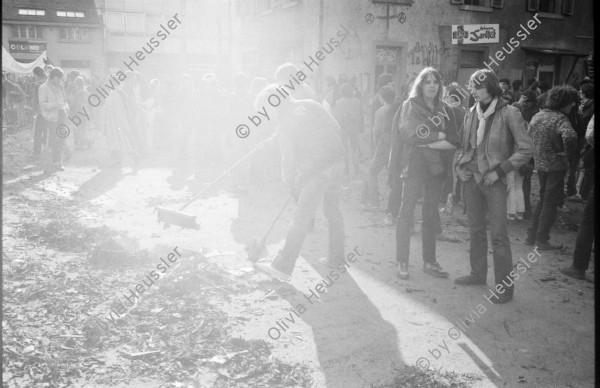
{"x": 551, "y": 40}
{"x": 70, "y": 31}
{"x": 200, "y": 42}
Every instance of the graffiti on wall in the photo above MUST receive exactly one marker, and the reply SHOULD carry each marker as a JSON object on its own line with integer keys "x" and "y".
{"x": 426, "y": 54}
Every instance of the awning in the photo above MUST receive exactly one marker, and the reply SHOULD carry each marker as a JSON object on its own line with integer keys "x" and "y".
{"x": 555, "y": 51}
{"x": 12, "y": 65}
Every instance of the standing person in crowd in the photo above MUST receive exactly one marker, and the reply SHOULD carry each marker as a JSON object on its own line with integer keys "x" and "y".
{"x": 423, "y": 169}
{"x": 516, "y": 89}
{"x": 382, "y": 130}
{"x": 495, "y": 142}
{"x": 554, "y": 142}
{"x": 240, "y": 104}
{"x": 332, "y": 93}
{"x": 527, "y": 105}
{"x": 584, "y": 114}
{"x": 348, "y": 113}
{"x": 53, "y": 105}
{"x": 507, "y": 95}
{"x": 312, "y": 161}
{"x": 452, "y": 185}
{"x": 283, "y": 75}
{"x": 132, "y": 97}
{"x": 384, "y": 79}
{"x": 152, "y": 109}
{"x": 588, "y": 161}
{"x": 40, "y": 127}
{"x": 81, "y": 131}
{"x": 585, "y": 236}
{"x": 542, "y": 89}
{"x": 117, "y": 129}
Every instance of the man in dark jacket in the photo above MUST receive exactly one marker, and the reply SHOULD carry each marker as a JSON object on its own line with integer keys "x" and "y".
{"x": 312, "y": 161}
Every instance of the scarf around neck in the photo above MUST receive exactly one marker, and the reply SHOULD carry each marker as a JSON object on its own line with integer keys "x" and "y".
{"x": 482, "y": 116}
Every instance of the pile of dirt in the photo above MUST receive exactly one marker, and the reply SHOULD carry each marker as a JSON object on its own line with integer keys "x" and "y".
{"x": 59, "y": 330}
{"x": 413, "y": 377}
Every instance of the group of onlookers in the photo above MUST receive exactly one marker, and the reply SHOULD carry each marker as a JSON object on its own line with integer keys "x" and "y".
{"x": 439, "y": 145}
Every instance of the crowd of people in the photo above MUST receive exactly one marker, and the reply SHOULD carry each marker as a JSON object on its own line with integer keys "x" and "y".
{"x": 439, "y": 145}
{"x": 439, "y": 148}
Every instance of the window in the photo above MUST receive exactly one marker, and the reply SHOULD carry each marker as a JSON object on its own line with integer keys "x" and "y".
{"x": 31, "y": 12}
{"x": 70, "y": 14}
{"x": 473, "y": 2}
{"x": 115, "y": 21}
{"x": 26, "y": 32}
{"x": 134, "y": 22}
{"x": 547, "y": 6}
{"x": 551, "y": 8}
{"x": 74, "y": 33}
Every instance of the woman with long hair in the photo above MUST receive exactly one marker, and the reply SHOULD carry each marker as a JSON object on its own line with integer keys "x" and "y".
{"x": 424, "y": 132}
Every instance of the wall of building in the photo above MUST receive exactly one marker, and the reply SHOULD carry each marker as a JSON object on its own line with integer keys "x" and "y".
{"x": 59, "y": 50}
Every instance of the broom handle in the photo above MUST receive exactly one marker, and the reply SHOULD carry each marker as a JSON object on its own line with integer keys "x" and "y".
{"x": 223, "y": 175}
{"x": 277, "y": 218}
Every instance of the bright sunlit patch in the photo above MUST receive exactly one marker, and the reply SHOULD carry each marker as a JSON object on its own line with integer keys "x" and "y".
{"x": 421, "y": 330}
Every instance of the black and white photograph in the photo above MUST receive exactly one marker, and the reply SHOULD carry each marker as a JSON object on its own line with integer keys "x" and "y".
{"x": 298, "y": 193}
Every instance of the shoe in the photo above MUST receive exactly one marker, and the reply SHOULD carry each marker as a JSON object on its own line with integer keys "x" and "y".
{"x": 389, "y": 220}
{"x": 573, "y": 272}
{"x": 470, "y": 280}
{"x": 402, "y": 271}
{"x": 563, "y": 209}
{"x": 574, "y": 198}
{"x": 507, "y": 296}
{"x": 272, "y": 272}
{"x": 547, "y": 246}
{"x": 519, "y": 216}
{"x": 447, "y": 237}
{"x": 435, "y": 269}
{"x": 511, "y": 217}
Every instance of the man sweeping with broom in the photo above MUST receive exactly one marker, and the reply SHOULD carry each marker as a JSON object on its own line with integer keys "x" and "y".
{"x": 312, "y": 160}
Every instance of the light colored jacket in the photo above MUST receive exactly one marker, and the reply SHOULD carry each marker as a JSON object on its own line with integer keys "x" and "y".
{"x": 507, "y": 145}
{"x": 52, "y": 99}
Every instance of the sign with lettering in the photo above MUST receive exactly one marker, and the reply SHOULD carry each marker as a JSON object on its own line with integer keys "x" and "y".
{"x": 27, "y": 47}
{"x": 475, "y": 33}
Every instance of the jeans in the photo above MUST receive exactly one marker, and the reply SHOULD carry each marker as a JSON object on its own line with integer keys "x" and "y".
{"x": 324, "y": 187}
{"x": 515, "y": 201}
{"x": 352, "y": 154}
{"x": 551, "y": 194}
{"x": 527, "y": 192}
{"x": 40, "y": 134}
{"x": 432, "y": 186}
{"x": 571, "y": 188}
{"x": 57, "y": 144}
{"x": 395, "y": 198}
{"x": 585, "y": 237}
{"x": 493, "y": 198}
{"x": 378, "y": 162}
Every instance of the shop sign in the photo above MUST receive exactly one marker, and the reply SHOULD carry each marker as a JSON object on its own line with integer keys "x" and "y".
{"x": 475, "y": 33}
{"x": 27, "y": 47}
